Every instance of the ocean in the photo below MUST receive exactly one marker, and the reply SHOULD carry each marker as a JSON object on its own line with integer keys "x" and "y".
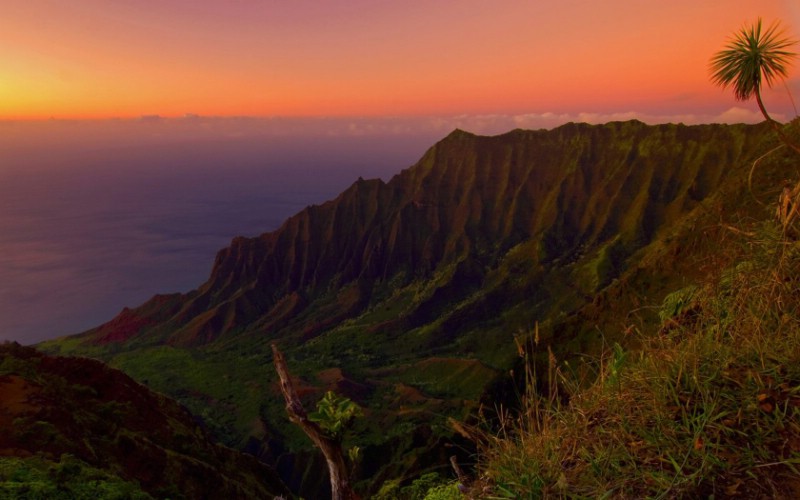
{"x": 94, "y": 218}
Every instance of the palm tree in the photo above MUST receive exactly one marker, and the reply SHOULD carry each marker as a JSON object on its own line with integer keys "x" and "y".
{"x": 751, "y": 57}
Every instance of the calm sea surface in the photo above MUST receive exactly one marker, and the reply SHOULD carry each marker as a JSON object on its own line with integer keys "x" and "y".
{"x": 87, "y": 228}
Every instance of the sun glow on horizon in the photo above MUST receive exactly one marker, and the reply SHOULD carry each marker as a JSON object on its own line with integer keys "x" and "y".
{"x": 127, "y": 59}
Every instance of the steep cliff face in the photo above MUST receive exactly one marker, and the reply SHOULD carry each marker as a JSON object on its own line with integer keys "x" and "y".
{"x": 468, "y": 201}
{"x": 415, "y": 287}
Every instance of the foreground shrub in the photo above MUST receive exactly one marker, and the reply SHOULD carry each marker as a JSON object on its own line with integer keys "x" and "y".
{"x": 709, "y": 405}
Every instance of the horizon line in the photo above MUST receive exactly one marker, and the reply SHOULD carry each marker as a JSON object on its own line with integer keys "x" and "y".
{"x": 381, "y": 125}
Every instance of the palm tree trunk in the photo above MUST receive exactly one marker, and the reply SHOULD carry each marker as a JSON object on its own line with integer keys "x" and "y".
{"x": 775, "y": 124}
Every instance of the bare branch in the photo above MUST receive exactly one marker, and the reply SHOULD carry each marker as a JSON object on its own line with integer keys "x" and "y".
{"x": 331, "y": 448}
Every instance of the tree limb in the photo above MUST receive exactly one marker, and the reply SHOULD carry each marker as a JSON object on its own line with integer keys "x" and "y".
{"x": 331, "y": 448}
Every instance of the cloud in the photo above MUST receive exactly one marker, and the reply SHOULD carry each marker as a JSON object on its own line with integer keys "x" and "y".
{"x": 742, "y": 115}
{"x": 194, "y": 127}
{"x": 490, "y": 124}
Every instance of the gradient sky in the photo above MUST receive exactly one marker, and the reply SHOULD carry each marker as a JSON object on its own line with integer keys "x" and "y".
{"x": 299, "y": 58}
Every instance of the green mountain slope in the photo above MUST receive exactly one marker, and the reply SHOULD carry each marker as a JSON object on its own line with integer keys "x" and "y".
{"x": 406, "y": 295}
{"x": 706, "y": 402}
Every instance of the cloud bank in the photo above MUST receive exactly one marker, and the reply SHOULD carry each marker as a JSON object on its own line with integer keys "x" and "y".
{"x": 153, "y": 129}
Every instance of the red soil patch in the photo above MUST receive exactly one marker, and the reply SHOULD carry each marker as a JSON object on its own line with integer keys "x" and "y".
{"x": 331, "y": 376}
{"x": 15, "y": 396}
{"x": 126, "y": 325}
{"x": 333, "y": 379}
{"x": 409, "y": 395}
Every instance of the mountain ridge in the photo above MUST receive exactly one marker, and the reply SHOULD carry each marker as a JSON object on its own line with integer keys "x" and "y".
{"x": 406, "y": 282}
{"x": 420, "y": 218}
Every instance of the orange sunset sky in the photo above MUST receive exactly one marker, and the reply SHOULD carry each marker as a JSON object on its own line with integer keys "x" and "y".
{"x": 127, "y": 58}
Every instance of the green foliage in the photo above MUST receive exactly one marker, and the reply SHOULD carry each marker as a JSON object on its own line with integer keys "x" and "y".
{"x": 752, "y": 55}
{"x": 354, "y": 454}
{"x": 68, "y": 479}
{"x": 448, "y": 377}
{"x": 749, "y": 59}
{"x": 444, "y": 492}
{"x": 227, "y": 408}
{"x": 600, "y": 270}
{"x": 419, "y": 487}
{"x": 676, "y": 302}
{"x": 614, "y": 366}
{"x": 94, "y": 418}
{"x": 429, "y": 486}
{"x": 334, "y": 414}
{"x": 712, "y": 408}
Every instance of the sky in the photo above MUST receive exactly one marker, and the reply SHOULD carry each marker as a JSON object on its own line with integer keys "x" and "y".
{"x": 517, "y": 62}
{"x": 138, "y": 136}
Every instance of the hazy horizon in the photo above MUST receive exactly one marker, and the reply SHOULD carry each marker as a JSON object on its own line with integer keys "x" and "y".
{"x": 99, "y": 219}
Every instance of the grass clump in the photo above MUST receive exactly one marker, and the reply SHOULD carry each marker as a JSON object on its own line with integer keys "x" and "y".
{"x": 708, "y": 405}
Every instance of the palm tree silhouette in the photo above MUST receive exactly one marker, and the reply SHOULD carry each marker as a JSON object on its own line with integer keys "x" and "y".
{"x": 751, "y": 57}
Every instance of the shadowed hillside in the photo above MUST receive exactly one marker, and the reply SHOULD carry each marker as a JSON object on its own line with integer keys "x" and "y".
{"x": 69, "y": 424}
{"x": 414, "y": 288}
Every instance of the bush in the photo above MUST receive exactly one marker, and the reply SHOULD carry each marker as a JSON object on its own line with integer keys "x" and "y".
{"x": 35, "y": 478}
{"x": 429, "y": 486}
{"x": 709, "y": 405}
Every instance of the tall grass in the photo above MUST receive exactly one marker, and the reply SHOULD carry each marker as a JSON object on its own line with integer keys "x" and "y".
{"x": 709, "y": 404}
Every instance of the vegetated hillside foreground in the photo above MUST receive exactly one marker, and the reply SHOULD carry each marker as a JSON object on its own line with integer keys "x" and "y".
{"x": 407, "y": 296}
{"x": 707, "y": 407}
{"x": 75, "y": 428}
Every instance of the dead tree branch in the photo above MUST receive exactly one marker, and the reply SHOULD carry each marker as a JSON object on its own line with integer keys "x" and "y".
{"x": 331, "y": 448}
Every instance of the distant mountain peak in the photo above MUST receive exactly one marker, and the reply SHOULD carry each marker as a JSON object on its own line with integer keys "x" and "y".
{"x": 459, "y": 134}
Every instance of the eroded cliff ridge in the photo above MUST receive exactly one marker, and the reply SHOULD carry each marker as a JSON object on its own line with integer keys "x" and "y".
{"x": 405, "y": 295}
